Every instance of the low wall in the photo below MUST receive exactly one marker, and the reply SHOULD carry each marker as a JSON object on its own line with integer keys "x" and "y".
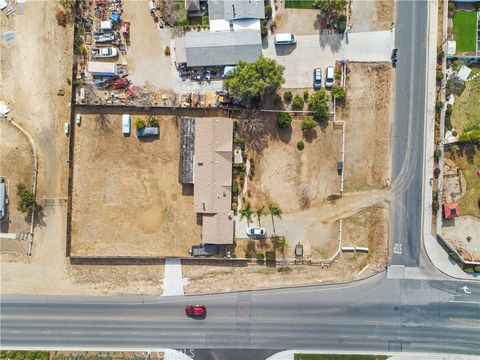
{"x": 468, "y": 266}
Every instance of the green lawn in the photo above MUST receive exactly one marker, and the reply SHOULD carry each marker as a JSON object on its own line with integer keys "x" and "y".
{"x": 299, "y": 356}
{"x": 24, "y": 355}
{"x": 299, "y": 4}
{"x": 465, "y": 27}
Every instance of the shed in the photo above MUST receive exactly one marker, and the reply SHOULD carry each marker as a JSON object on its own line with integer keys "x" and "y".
{"x": 451, "y": 211}
{"x": 2, "y": 198}
{"x": 464, "y": 73}
{"x": 451, "y": 47}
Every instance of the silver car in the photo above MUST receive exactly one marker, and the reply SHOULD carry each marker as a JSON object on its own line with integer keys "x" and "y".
{"x": 317, "y": 78}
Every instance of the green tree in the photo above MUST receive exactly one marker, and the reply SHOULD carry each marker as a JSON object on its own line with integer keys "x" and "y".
{"x": 455, "y": 148}
{"x": 331, "y": 8}
{"x": 140, "y": 123}
{"x": 281, "y": 243}
{"x": 338, "y": 92}
{"x": 259, "y": 213}
{"x": 471, "y": 134}
{"x": 297, "y": 102}
{"x": 275, "y": 211}
{"x": 247, "y": 213}
{"x": 27, "y": 202}
{"x": 309, "y": 123}
{"x": 284, "y": 120}
{"x": 153, "y": 121}
{"x": 250, "y": 81}
{"x": 318, "y": 104}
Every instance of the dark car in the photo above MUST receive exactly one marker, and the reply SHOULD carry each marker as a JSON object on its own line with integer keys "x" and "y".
{"x": 317, "y": 78}
{"x": 195, "y": 311}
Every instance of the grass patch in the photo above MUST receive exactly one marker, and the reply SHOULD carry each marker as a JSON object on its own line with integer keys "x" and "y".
{"x": 469, "y": 163}
{"x": 300, "y": 356}
{"x": 466, "y": 107}
{"x": 299, "y": 4}
{"x": 24, "y": 355}
{"x": 465, "y": 25}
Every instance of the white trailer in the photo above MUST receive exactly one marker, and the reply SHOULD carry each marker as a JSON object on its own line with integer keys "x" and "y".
{"x": 101, "y": 69}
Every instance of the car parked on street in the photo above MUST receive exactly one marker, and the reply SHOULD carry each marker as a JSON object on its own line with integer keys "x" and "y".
{"x": 317, "y": 78}
{"x": 256, "y": 232}
{"x": 196, "y": 311}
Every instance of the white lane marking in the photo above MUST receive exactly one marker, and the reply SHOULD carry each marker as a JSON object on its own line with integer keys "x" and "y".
{"x": 464, "y": 302}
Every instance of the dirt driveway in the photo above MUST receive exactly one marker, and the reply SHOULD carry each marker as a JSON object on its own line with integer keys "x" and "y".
{"x": 126, "y": 195}
{"x": 372, "y": 15}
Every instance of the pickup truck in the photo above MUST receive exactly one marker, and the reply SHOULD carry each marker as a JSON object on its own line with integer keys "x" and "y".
{"x": 204, "y": 250}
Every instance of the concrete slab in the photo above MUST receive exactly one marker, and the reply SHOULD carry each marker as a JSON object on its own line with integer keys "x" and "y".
{"x": 372, "y": 46}
{"x": 173, "y": 279}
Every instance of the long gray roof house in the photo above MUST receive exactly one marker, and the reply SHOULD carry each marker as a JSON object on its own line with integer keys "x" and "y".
{"x": 236, "y": 9}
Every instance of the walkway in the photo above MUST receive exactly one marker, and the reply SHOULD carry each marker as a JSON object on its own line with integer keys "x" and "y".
{"x": 173, "y": 279}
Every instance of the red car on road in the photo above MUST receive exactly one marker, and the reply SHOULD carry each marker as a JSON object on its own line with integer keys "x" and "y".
{"x": 196, "y": 311}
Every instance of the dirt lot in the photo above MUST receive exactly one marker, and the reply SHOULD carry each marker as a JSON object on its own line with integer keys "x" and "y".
{"x": 297, "y": 21}
{"x": 368, "y": 112}
{"x": 126, "y": 195}
{"x": 372, "y": 15}
{"x": 312, "y": 170}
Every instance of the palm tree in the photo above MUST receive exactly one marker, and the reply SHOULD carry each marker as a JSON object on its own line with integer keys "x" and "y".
{"x": 247, "y": 213}
{"x": 259, "y": 213}
{"x": 274, "y": 211}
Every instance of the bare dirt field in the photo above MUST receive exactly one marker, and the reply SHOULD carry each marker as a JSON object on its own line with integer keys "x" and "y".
{"x": 282, "y": 172}
{"x": 368, "y": 113}
{"x": 372, "y": 15}
{"x": 126, "y": 195}
{"x": 297, "y": 21}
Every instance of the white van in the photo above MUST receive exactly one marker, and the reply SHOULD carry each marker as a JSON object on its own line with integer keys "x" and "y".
{"x": 329, "y": 77}
{"x": 126, "y": 124}
{"x": 285, "y": 39}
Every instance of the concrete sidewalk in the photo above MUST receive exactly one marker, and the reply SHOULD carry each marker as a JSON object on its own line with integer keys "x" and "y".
{"x": 371, "y": 46}
{"x": 173, "y": 279}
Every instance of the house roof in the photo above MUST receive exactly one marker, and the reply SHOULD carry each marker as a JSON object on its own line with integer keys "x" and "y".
{"x": 217, "y": 228}
{"x": 187, "y": 151}
{"x": 464, "y": 72}
{"x": 213, "y": 165}
{"x": 222, "y": 48}
{"x": 236, "y": 9}
{"x": 451, "y": 210}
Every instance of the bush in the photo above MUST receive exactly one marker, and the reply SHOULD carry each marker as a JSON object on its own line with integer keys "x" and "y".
{"x": 456, "y": 64}
{"x": 436, "y": 172}
{"x": 342, "y": 23}
{"x": 297, "y": 102}
{"x": 234, "y": 206}
{"x": 268, "y": 12}
{"x": 260, "y": 256}
{"x": 237, "y": 140}
{"x": 309, "y": 123}
{"x": 27, "y": 202}
{"x": 241, "y": 167}
{"x": 205, "y": 21}
{"x": 287, "y": 96}
{"x": 449, "y": 110}
{"x": 63, "y": 17}
{"x": 439, "y": 75}
{"x": 263, "y": 28}
{"x": 338, "y": 92}
{"x": 153, "y": 122}
{"x": 300, "y": 145}
{"x": 235, "y": 125}
{"x": 437, "y": 153}
{"x": 284, "y": 120}
{"x": 318, "y": 104}
{"x": 448, "y": 123}
{"x": 440, "y": 56}
{"x": 248, "y": 254}
{"x": 167, "y": 51}
{"x": 435, "y": 205}
{"x": 338, "y": 74}
{"x": 305, "y": 95}
{"x": 439, "y": 105}
{"x": 140, "y": 123}
{"x": 235, "y": 187}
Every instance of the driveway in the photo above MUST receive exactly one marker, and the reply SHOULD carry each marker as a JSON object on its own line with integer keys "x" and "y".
{"x": 312, "y": 51}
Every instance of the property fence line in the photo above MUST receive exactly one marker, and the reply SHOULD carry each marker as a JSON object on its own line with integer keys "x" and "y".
{"x": 455, "y": 255}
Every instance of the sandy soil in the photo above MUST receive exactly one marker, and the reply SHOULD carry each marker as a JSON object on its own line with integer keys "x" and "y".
{"x": 368, "y": 113}
{"x": 372, "y": 15}
{"x": 297, "y": 21}
{"x": 16, "y": 166}
{"x": 126, "y": 195}
{"x": 456, "y": 232}
{"x": 280, "y": 162}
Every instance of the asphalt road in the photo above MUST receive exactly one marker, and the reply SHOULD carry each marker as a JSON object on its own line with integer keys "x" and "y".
{"x": 408, "y": 132}
{"x": 377, "y": 314}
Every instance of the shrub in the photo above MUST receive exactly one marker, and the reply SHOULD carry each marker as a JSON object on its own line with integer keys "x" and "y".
{"x": 235, "y": 187}
{"x": 455, "y": 148}
{"x": 318, "y": 104}
{"x": 248, "y": 254}
{"x": 436, "y": 172}
{"x": 305, "y": 95}
{"x": 454, "y": 133}
{"x": 435, "y": 205}
{"x": 338, "y": 92}
{"x": 284, "y": 120}
{"x": 309, "y": 123}
{"x": 153, "y": 122}
{"x": 452, "y": 9}
{"x": 235, "y": 125}
{"x": 300, "y": 145}
{"x": 237, "y": 140}
{"x": 449, "y": 110}
{"x": 456, "y": 64}
{"x": 69, "y": 82}
{"x": 338, "y": 74}
{"x": 437, "y": 153}
{"x": 439, "y": 105}
{"x": 260, "y": 256}
{"x": 234, "y": 206}
{"x": 287, "y": 96}
{"x": 268, "y": 12}
{"x": 439, "y": 75}
{"x": 297, "y": 102}
{"x": 27, "y": 199}
{"x": 448, "y": 123}
{"x": 63, "y": 17}
{"x": 140, "y": 123}
{"x": 241, "y": 167}
{"x": 440, "y": 56}
{"x": 167, "y": 51}
{"x": 205, "y": 21}
{"x": 342, "y": 23}
{"x": 476, "y": 268}
{"x": 263, "y": 28}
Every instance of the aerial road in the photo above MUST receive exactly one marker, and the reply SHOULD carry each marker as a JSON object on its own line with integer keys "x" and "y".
{"x": 376, "y": 314}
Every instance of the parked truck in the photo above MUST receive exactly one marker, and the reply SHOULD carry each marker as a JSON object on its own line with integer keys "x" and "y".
{"x": 204, "y": 250}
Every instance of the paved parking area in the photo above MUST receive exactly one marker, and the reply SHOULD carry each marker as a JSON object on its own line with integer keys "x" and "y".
{"x": 312, "y": 51}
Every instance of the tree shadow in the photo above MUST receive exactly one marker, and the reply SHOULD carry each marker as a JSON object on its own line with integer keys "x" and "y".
{"x": 469, "y": 151}
{"x": 332, "y": 40}
{"x": 39, "y": 219}
{"x": 309, "y": 135}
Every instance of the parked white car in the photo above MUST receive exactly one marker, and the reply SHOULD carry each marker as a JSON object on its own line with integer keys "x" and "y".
{"x": 66, "y": 128}
{"x": 78, "y": 119}
{"x": 257, "y": 232}
{"x": 329, "y": 77}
